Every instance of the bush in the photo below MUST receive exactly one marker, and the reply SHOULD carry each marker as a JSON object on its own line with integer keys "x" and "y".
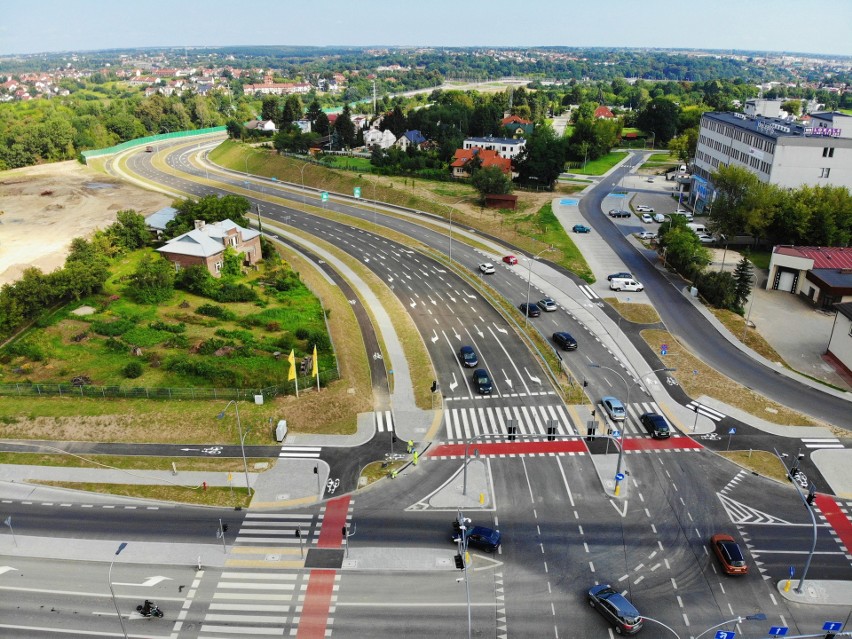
{"x": 177, "y": 341}
{"x": 133, "y": 370}
{"x": 112, "y": 329}
{"x": 145, "y": 336}
{"x": 210, "y": 346}
{"x": 171, "y": 328}
{"x": 302, "y": 333}
{"x": 26, "y": 348}
{"x": 116, "y": 345}
{"x": 212, "y": 310}
{"x": 233, "y": 292}
{"x": 320, "y": 340}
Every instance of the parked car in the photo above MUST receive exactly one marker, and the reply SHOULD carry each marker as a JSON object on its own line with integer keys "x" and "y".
{"x": 706, "y": 239}
{"x": 647, "y": 235}
{"x": 621, "y": 276}
{"x": 487, "y": 539}
{"x": 547, "y": 305}
{"x": 530, "y": 310}
{"x": 564, "y": 341}
{"x": 656, "y": 425}
{"x": 619, "y": 213}
{"x": 646, "y": 218}
{"x": 616, "y": 284}
{"x": 482, "y": 381}
{"x": 616, "y": 609}
{"x": 614, "y": 408}
{"x": 468, "y": 357}
{"x": 580, "y": 228}
{"x": 511, "y": 260}
{"x": 728, "y": 553}
{"x": 659, "y": 218}
{"x": 487, "y": 268}
{"x": 684, "y": 213}
{"x": 644, "y": 208}
{"x": 650, "y": 179}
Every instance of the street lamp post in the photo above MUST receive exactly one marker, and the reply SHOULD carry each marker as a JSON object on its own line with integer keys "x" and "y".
{"x": 450, "y": 207}
{"x": 242, "y": 438}
{"x": 302, "y": 173}
{"x": 121, "y": 547}
{"x": 529, "y": 280}
{"x": 810, "y": 510}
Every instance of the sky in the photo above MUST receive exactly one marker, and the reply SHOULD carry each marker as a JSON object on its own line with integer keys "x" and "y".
{"x": 33, "y": 26}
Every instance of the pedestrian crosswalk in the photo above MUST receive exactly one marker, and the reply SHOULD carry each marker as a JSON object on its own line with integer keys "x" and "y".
{"x": 701, "y": 409}
{"x": 384, "y": 421}
{"x": 822, "y": 442}
{"x": 586, "y": 290}
{"x": 288, "y": 530}
{"x": 301, "y": 452}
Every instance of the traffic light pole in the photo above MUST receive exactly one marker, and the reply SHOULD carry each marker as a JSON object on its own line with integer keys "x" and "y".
{"x": 798, "y": 589}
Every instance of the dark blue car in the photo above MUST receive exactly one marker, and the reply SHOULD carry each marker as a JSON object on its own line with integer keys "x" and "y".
{"x": 486, "y": 539}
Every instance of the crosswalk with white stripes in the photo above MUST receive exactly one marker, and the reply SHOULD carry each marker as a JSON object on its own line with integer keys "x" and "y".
{"x": 300, "y": 452}
{"x": 701, "y": 409}
{"x": 270, "y": 528}
{"x": 467, "y": 423}
{"x": 384, "y": 421}
{"x": 821, "y": 442}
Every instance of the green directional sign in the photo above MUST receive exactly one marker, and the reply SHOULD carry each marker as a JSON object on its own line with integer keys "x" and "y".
{"x": 357, "y": 191}
{"x": 324, "y": 196}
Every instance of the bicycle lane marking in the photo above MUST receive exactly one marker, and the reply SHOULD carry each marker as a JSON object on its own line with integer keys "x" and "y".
{"x": 314, "y": 618}
{"x": 835, "y": 517}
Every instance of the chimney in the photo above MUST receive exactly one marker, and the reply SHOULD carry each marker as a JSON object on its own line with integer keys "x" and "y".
{"x": 199, "y": 224}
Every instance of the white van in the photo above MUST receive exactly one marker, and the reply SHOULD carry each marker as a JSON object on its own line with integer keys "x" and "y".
{"x": 698, "y": 229}
{"x": 625, "y": 284}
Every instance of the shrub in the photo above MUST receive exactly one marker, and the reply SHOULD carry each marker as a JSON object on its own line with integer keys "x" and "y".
{"x": 320, "y": 339}
{"x": 177, "y": 341}
{"x": 213, "y": 310}
{"x": 115, "y": 345}
{"x": 145, "y": 336}
{"x": 133, "y": 370}
{"x": 210, "y": 346}
{"x": 112, "y": 329}
{"x": 273, "y": 327}
{"x": 233, "y": 292}
{"x": 26, "y": 348}
{"x": 302, "y": 333}
{"x": 171, "y": 328}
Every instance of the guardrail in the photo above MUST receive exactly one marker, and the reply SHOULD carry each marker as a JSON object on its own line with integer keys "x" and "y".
{"x": 85, "y": 156}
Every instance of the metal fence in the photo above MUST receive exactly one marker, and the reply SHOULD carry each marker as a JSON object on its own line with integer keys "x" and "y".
{"x": 151, "y": 139}
{"x": 306, "y": 382}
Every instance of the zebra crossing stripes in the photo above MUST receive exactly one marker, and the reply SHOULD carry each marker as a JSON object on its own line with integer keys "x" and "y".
{"x": 821, "y": 442}
{"x": 466, "y": 423}
{"x": 271, "y": 528}
{"x": 701, "y": 409}
{"x": 586, "y": 290}
{"x": 384, "y": 421}
{"x": 301, "y": 452}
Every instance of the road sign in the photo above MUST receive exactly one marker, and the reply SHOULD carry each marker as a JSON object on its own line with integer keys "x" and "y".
{"x": 732, "y": 431}
{"x": 616, "y": 433}
{"x": 778, "y": 631}
{"x": 356, "y": 191}
{"x": 792, "y": 572}
{"x": 619, "y": 476}
{"x": 324, "y": 196}
{"x": 664, "y": 349}
{"x": 725, "y": 634}
{"x": 832, "y": 626}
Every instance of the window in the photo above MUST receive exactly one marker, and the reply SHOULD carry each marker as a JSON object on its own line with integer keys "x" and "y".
{"x": 823, "y": 173}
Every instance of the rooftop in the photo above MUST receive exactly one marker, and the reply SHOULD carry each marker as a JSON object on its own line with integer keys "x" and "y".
{"x": 830, "y": 257}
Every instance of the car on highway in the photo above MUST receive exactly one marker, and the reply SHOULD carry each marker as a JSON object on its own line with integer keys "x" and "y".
{"x": 728, "y": 553}
{"x": 646, "y": 218}
{"x": 468, "y": 357}
{"x": 487, "y": 539}
{"x": 511, "y": 260}
{"x": 656, "y": 425}
{"x": 530, "y": 310}
{"x": 580, "y": 228}
{"x": 619, "y": 213}
{"x": 565, "y": 341}
{"x": 482, "y": 381}
{"x": 624, "y": 275}
{"x": 616, "y": 609}
{"x": 647, "y": 235}
{"x": 644, "y": 208}
{"x": 487, "y": 268}
{"x": 547, "y": 305}
{"x": 614, "y": 408}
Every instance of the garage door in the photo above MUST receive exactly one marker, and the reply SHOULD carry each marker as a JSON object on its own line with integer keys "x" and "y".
{"x": 785, "y": 283}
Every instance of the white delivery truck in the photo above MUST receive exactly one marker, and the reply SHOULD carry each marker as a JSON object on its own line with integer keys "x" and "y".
{"x": 625, "y": 284}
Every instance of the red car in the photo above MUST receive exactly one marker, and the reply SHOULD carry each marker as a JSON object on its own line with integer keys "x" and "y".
{"x": 728, "y": 553}
{"x": 510, "y": 259}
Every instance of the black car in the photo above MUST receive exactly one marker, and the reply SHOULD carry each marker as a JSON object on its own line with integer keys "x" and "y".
{"x": 619, "y": 276}
{"x": 468, "y": 357}
{"x": 530, "y": 310}
{"x": 482, "y": 381}
{"x": 656, "y": 425}
{"x": 619, "y": 213}
{"x": 486, "y": 539}
{"x": 616, "y": 609}
{"x": 564, "y": 341}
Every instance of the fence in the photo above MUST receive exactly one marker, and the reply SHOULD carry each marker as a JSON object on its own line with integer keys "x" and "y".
{"x": 151, "y": 139}
{"x": 167, "y": 393}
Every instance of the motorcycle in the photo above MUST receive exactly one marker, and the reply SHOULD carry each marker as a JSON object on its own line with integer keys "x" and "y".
{"x": 149, "y": 609}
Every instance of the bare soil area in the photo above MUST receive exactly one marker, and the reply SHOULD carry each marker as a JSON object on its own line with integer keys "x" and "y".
{"x": 43, "y": 208}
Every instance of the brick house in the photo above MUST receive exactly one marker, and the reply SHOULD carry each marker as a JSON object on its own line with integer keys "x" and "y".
{"x": 462, "y": 157}
{"x": 206, "y": 244}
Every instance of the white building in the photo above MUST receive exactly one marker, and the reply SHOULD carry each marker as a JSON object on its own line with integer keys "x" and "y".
{"x": 777, "y": 151}
{"x": 504, "y": 147}
{"x": 382, "y": 139}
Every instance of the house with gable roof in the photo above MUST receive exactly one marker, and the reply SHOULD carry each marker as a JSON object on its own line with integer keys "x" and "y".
{"x": 822, "y": 274}
{"x": 410, "y": 138}
{"x": 603, "y": 112}
{"x": 462, "y": 158}
{"x": 206, "y": 244}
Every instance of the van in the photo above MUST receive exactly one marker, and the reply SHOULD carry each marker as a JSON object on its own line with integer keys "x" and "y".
{"x": 625, "y": 284}
{"x": 698, "y": 229}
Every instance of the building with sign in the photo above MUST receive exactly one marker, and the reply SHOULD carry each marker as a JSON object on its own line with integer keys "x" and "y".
{"x": 777, "y": 151}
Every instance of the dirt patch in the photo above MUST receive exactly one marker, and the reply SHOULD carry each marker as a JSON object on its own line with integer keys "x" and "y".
{"x": 45, "y": 207}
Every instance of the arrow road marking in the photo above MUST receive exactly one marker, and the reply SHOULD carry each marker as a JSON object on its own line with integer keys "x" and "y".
{"x": 188, "y": 449}
{"x": 454, "y": 383}
{"x": 533, "y": 378}
{"x": 455, "y": 334}
{"x": 501, "y": 330}
{"x": 508, "y": 381}
{"x": 6, "y": 569}
{"x": 435, "y": 336}
{"x": 150, "y": 581}
{"x": 479, "y": 332}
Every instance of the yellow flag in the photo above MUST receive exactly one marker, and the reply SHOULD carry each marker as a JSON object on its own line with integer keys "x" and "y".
{"x": 292, "y": 360}
{"x": 315, "y": 372}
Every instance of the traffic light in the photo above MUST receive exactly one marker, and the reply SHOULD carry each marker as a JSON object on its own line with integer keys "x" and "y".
{"x": 224, "y": 527}
{"x": 512, "y": 433}
{"x": 551, "y": 433}
{"x": 459, "y": 562}
{"x": 811, "y": 495}
{"x": 393, "y": 437}
{"x": 434, "y": 385}
{"x": 585, "y": 383}
{"x": 343, "y": 531}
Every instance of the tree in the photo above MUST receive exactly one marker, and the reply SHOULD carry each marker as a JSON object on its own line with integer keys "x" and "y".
{"x": 793, "y": 107}
{"x": 231, "y": 263}
{"x": 743, "y": 278}
{"x": 293, "y": 110}
{"x": 321, "y": 124}
{"x": 491, "y": 180}
{"x": 741, "y": 204}
{"x": 153, "y": 280}
{"x": 314, "y": 109}
{"x": 661, "y": 116}
{"x": 394, "y": 121}
{"x": 270, "y": 108}
{"x": 129, "y": 231}
{"x": 543, "y": 157}
{"x": 344, "y": 128}
{"x": 210, "y": 208}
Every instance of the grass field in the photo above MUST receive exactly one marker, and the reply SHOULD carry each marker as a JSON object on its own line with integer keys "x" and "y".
{"x": 601, "y": 165}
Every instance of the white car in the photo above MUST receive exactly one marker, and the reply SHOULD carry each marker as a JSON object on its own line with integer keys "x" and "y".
{"x": 706, "y": 239}
{"x": 486, "y": 268}
{"x": 659, "y": 217}
{"x": 644, "y": 208}
{"x": 547, "y": 305}
{"x": 650, "y": 179}
{"x": 647, "y": 235}
{"x": 646, "y": 218}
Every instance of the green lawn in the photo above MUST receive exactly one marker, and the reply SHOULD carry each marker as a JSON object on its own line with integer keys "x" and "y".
{"x": 601, "y": 165}
{"x": 345, "y": 162}
{"x": 662, "y": 158}
{"x": 550, "y": 231}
